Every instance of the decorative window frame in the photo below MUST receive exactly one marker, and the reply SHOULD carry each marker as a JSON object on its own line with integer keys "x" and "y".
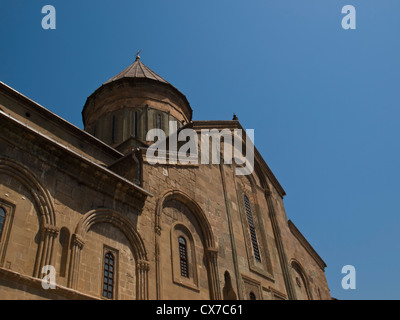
{"x": 297, "y": 267}
{"x": 252, "y": 229}
{"x": 115, "y": 253}
{"x": 252, "y": 286}
{"x": 263, "y": 268}
{"x": 192, "y": 282}
{"x": 9, "y": 209}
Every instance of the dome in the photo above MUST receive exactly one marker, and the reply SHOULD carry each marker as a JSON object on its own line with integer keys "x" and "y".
{"x": 138, "y": 70}
{"x": 131, "y": 103}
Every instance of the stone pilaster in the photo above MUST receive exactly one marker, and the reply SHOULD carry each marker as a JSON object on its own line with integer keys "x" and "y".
{"x": 281, "y": 250}
{"x": 77, "y": 246}
{"x": 143, "y": 268}
{"x": 215, "y": 290}
{"x": 47, "y": 234}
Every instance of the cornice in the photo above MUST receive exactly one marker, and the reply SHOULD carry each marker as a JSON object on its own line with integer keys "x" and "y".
{"x": 36, "y": 283}
{"x": 72, "y": 163}
{"x": 235, "y": 124}
{"x": 138, "y": 82}
{"x": 50, "y": 116}
{"x": 306, "y": 245}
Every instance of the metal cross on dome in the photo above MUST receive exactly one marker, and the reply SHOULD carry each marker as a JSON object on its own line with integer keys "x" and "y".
{"x": 137, "y": 54}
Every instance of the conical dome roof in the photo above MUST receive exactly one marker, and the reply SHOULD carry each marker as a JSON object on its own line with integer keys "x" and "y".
{"x": 138, "y": 70}
{"x": 137, "y": 82}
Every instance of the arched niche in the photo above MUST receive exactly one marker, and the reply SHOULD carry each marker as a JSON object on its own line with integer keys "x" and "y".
{"x": 48, "y": 229}
{"x": 206, "y": 234}
{"x": 117, "y": 220}
{"x": 301, "y": 282}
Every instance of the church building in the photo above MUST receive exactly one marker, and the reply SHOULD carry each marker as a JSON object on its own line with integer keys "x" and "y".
{"x": 85, "y": 215}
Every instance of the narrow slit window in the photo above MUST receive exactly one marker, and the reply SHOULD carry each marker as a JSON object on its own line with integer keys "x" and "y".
{"x": 252, "y": 296}
{"x": 252, "y": 229}
{"x": 2, "y": 220}
{"x": 109, "y": 276}
{"x": 159, "y": 121}
{"x": 183, "y": 257}
{"x": 136, "y": 124}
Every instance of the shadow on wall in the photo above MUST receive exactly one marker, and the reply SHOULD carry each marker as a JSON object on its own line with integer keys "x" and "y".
{"x": 228, "y": 292}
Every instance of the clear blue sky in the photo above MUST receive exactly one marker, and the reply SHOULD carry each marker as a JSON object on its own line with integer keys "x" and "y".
{"x": 324, "y": 101}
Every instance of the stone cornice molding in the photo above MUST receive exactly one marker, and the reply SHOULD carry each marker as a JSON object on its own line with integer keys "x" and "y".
{"x": 76, "y": 165}
{"x": 136, "y": 82}
{"x": 306, "y": 245}
{"x": 36, "y": 283}
{"x": 260, "y": 164}
{"x": 50, "y": 116}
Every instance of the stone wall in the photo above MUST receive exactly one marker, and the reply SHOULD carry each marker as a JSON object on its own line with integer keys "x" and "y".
{"x": 66, "y": 210}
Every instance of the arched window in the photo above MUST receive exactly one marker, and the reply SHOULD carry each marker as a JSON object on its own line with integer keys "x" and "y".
{"x": 252, "y": 296}
{"x": 2, "y": 219}
{"x": 109, "y": 276}
{"x": 183, "y": 257}
{"x": 252, "y": 229}
{"x": 302, "y": 289}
